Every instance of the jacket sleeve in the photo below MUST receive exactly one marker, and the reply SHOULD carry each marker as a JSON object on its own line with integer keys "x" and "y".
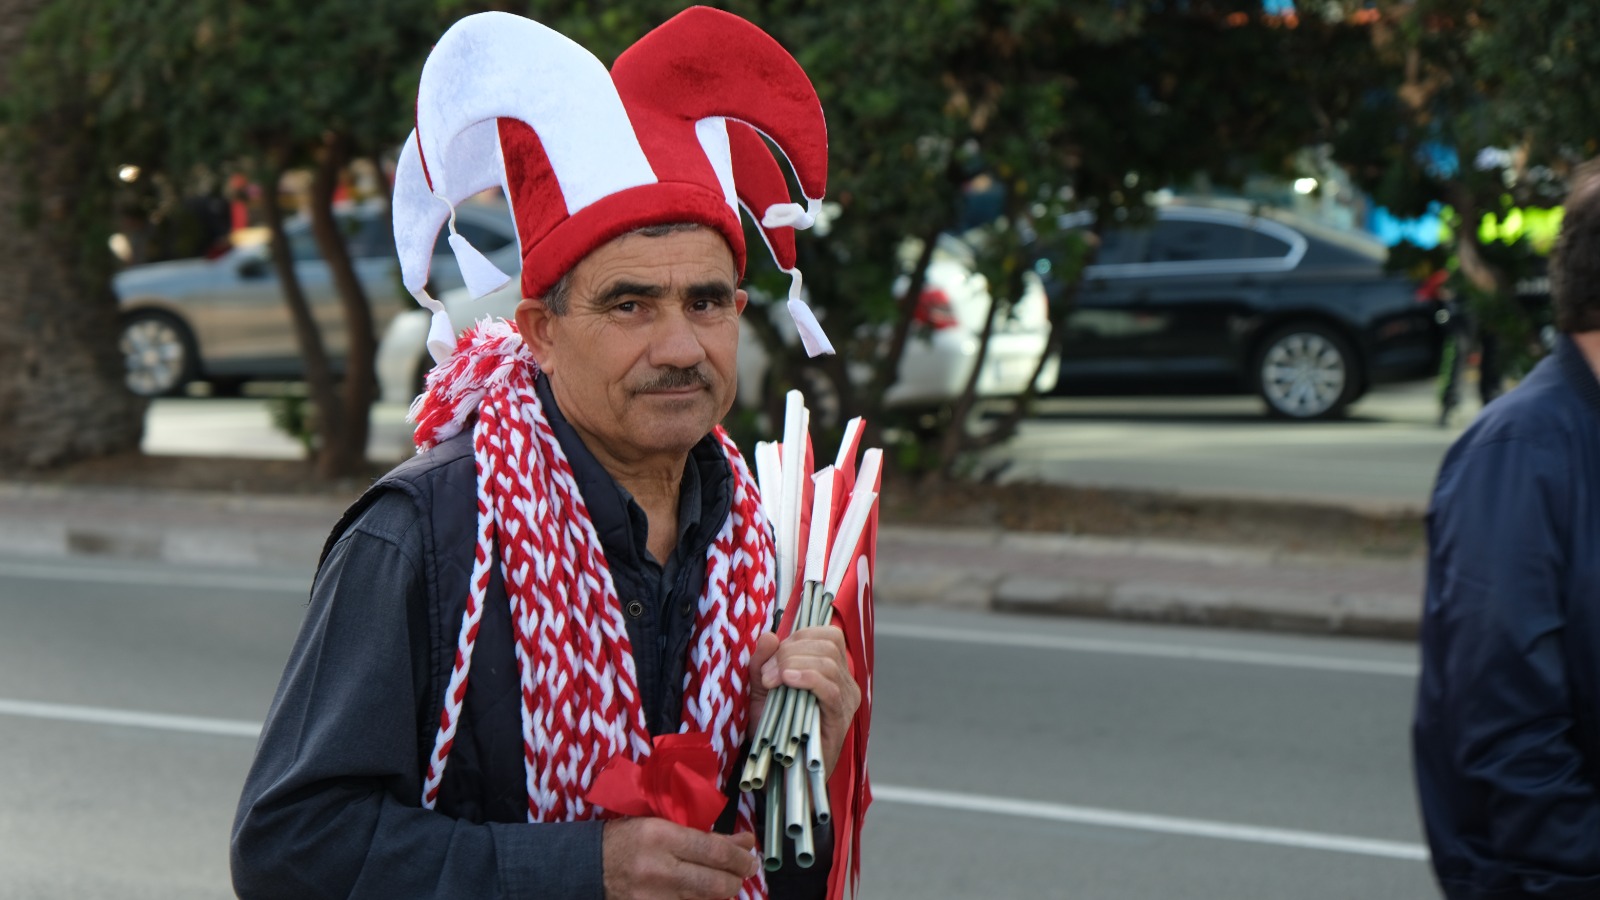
{"x": 1500, "y": 567}
{"x": 331, "y": 805}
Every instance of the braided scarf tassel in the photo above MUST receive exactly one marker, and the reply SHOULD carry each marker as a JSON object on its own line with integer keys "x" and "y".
{"x": 580, "y": 698}
{"x": 741, "y": 585}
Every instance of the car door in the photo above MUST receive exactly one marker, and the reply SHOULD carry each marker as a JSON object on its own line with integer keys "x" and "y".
{"x": 1192, "y": 296}
{"x": 245, "y": 328}
{"x": 1107, "y": 332}
{"x": 370, "y": 242}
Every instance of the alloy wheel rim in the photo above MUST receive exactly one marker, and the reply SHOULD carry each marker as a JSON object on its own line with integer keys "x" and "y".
{"x": 1303, "y": 374}
{"x": 152, "y": 352}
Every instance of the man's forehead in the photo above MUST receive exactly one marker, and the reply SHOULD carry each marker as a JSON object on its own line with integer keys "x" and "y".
{"x": 697, "y": 257}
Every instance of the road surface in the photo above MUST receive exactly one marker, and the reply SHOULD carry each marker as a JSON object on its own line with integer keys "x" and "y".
{"x": 1012, "y": 757}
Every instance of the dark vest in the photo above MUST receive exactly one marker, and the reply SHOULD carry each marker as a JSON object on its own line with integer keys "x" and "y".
{"x": 485, "y": 780}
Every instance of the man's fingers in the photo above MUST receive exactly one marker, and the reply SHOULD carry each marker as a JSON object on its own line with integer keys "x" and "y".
{"x": 722, "y": 852}
{"x": 801, "y": 650}
{"x": 648, "y": 857}
{"x": 766, "y": 646}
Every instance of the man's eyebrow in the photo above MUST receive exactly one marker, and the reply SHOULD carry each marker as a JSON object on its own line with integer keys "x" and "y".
{"x": 710, "y": 290}
{"x": 702, "y": 290}
{"x": 621, "y": 289}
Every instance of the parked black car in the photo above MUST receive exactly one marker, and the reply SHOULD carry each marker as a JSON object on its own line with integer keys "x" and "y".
{"x": 1218, "y": 299}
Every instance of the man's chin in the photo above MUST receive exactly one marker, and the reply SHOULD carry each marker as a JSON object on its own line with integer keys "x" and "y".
{"x": 679, "y": 421}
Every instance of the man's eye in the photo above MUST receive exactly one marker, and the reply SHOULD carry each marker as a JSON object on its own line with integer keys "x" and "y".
{"x": 627, "y": 306}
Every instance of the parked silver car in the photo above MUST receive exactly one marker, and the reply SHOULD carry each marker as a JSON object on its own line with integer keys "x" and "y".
{"x": 224, "y": 320}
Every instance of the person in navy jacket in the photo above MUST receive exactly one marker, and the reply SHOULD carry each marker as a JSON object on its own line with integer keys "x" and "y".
{"x": 1506, "y": 736}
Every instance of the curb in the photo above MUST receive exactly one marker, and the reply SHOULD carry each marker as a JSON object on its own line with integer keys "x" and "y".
{"x": 971, "y": 569}
{"x": 1379, "y": 617}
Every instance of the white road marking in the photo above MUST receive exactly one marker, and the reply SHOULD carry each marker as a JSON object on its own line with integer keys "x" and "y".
{"x": 173, "y": 576}
{"x": 975, "y": 803}
{"x": 1110, "y": 818}
{"x": 1162, "y": 651}
{"x": 96, "y": 715}
{"x": 166, "y": 576}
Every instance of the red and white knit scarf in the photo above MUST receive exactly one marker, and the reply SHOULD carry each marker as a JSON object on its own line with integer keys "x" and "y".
{"x": 580, "y": 697}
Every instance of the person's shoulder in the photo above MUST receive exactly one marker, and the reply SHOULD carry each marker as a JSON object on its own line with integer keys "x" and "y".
{"x": 444, "y": 460}
{"x": 1543, "y": 408}
{"x": 443, "y": 475}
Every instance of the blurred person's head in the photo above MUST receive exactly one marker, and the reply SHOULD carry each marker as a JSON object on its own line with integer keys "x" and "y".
{"x": 1575, "y": 261}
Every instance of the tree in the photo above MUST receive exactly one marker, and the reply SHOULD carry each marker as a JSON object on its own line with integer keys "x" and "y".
{"x": 1080, "y": 104}
{"x": 61, "y": 391}
{"x": 1489, "y": 104}
{"x": 206, "y": 86}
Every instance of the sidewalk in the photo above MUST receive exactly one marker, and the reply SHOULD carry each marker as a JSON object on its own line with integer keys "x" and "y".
{"x": 974, "y": 569}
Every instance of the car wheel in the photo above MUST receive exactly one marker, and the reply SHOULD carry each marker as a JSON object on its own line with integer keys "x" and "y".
{"x": 158, "y": 354}
{"x": 1306, "y": 371}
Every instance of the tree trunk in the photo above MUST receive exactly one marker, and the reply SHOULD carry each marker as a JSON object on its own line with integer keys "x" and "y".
{"x": 1006, "y": 427}
{"x": 955, "y": 438}
{"x": 62, "y": 395}
{"x": 347, "y": 454}
{"x": 889, "y": 366}
{"x": 320, "y": 386}
{"x": 1483, "y": 275}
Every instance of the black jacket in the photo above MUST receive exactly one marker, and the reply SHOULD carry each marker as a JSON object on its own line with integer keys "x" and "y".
{"x": 1507, "y": 729}
{"x": 331, "y": 807}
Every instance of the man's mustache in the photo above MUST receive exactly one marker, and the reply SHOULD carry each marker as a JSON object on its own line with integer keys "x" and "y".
{"x": 675, "y": 379}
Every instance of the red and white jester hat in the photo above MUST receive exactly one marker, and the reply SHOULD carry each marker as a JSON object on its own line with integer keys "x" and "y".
{"x": 673, "y": 133}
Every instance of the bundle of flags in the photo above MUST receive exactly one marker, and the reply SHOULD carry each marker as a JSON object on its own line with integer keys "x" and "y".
{"x": 826, "y": 528}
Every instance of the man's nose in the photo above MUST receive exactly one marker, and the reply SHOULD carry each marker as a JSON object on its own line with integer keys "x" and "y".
{"x": 676, "y": 342}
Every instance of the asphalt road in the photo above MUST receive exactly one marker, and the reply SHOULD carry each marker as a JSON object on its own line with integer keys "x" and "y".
{"x": 1011, "y": 757}
{"x": 1383, "y": 456}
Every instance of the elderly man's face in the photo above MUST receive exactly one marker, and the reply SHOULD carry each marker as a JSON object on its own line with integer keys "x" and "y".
{"x": 643, "y": 361}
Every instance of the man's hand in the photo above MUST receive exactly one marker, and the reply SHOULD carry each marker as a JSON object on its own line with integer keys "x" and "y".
{"x": 653, "y": 859}
{"x": 814, "y": 659}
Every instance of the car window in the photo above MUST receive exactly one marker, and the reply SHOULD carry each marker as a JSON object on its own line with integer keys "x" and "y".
{"x": 366, "y": 237}
{"x": 485, "y": 240}
{"x": 1122, "y": 245}
{"x": 1176, "y": 240}
{"x": 303, "y": 245}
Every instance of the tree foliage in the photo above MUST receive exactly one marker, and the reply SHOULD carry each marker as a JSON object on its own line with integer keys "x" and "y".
{"x": 1079, "y": 104}
{"x": 1064, "y": 103}
{"x": 1484, "y": 107}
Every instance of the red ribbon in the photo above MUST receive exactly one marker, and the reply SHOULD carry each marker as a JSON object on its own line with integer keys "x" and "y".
{"x": 678, "y": 782}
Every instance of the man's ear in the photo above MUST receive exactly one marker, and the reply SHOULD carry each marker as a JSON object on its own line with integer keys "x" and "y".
{"x": 740, "y": 299}
{"x": 534, "y": 323}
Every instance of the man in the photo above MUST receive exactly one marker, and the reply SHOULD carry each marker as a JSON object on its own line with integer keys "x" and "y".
{"x": 581, "y": 574}
{"x": 1507, "y": 729}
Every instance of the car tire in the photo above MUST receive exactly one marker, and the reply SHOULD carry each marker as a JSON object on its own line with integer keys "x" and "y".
{"x": 1306, "y": 371}
{"x": 158, "y": 353}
